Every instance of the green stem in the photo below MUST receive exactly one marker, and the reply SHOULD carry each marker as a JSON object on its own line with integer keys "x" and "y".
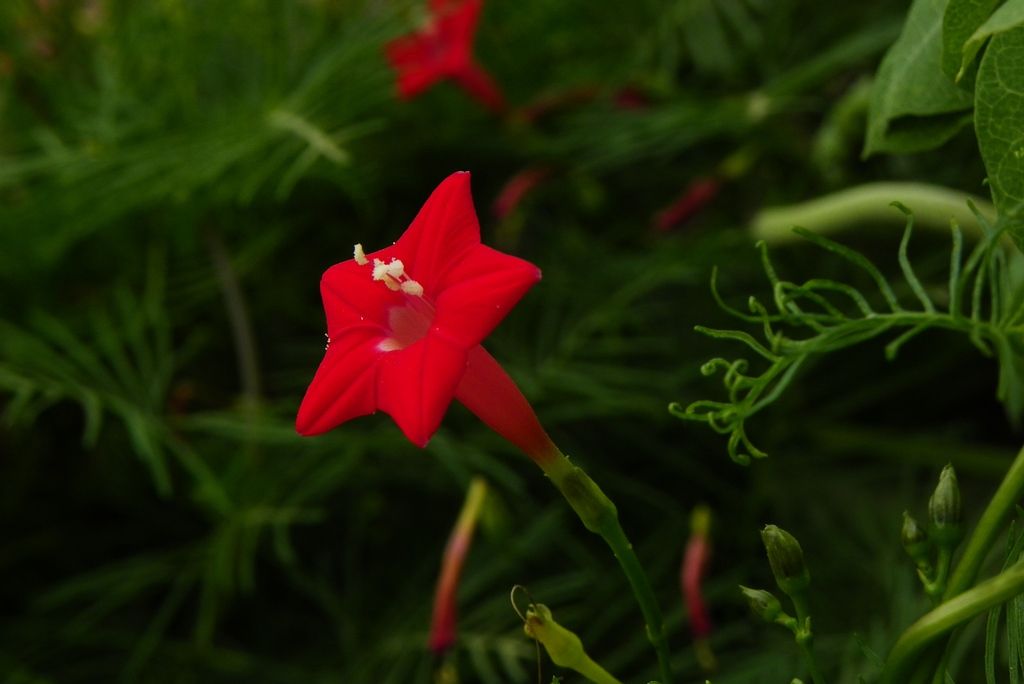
{"x": 805, "y": 637}
{"x": 933, "y": 206}
{"x": 946, "y": 617}
{"x": 596, "y": 673}
{"x": 600, "y": 516}
{"x": 238, "y": 317}
{"x": 989, "y": 526}
{"x": 940, "y": 672}
{"x": 937, "y": 587}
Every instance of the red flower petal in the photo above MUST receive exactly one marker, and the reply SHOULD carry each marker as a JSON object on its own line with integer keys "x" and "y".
{"x": 412, "y": 82}
{"x": 410, "y": 57}
{"x": 456, "y": 23}
{"x": 407, "y": 50}
{"x": 441, "y": 234}
{"x": 415, "y": 385}
{"x": 480, "y": 85}
{"x": 479, "y": 291}
{"x": 352, "y": 297}
{"x": 344, "y": 386}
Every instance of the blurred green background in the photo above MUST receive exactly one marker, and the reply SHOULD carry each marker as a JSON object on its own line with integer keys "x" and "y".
{"x": 175, "y": 175}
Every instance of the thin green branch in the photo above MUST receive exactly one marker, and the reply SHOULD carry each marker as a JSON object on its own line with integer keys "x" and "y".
{"x": 947, "y": 617}
{"x": 933, "y": 206}
{"x": 238, "y": 315}
{"x": 989, "y": 527}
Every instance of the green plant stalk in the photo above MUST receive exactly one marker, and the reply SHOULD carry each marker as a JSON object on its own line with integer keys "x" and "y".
{"x": 936, "y": 587}
{"x": 984, "y": 535}
{"x": 934, "y": 207}
{"x": 989, "y": 526}
{"x": 946, "y": 617}
{"x": 596, "y": 673}
{"x": 805, "y": 637}
{"x": 599, "y": 515}
{"x": 239, "y": 318}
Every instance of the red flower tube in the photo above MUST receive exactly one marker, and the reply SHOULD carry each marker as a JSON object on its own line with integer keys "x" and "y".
{"x": 517, "y": 188}
{"x": 404, "y": 326}
{"x": 695, "y": 197}
{"x": 443, "y": 624}
{"x": 695, "y": 564}
{"x": 443, "y": 50}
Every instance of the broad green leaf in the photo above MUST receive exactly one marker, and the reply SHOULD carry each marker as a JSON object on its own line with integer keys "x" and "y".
{"x": 918, "y": 133}
{"x": 999, "y": 119}
{"x": 1009, "y": 16}
{"x": 959, "y": 23}
{"x": 914, "y": 105}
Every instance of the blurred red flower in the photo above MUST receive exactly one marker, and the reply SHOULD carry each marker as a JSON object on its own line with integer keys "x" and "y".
{"x": 517, "y": 188}
{"x": 404, "y": 327}
{"x": 695, "y": 197}
{"x": 444, "y": 621}
{"x": 443, "y": 50}
{"x": 691, "y": 576}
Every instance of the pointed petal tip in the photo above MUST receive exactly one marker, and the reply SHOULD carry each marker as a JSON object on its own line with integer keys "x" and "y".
{"x": 308, "y": 423}
{"x": 304, "y": 425}
{"x": 458, "y": 177}
{"x": 414, "y": 435}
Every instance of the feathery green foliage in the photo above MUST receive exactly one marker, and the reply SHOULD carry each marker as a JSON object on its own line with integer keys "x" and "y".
{"x": 175, "y": 175}
{"x": 983, "y": 300}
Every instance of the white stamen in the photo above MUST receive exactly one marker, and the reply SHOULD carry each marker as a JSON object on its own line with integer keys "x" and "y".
{"x": 396, "y": 269}
{"x": 360, "y": 255}
{"x": 390, "y": 273}
{"x": 393, "y": 275}
{"x": 411, "y": 287}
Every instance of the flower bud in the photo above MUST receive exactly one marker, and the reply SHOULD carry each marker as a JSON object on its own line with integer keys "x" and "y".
{"x": 786, "y": 558}
{"x": 944, "y": 509}
{"x": 564, "y": 648}
{"x": 915, "y": 539}
{"x": 443, "y": 624}
{"x": 763, "y": 603}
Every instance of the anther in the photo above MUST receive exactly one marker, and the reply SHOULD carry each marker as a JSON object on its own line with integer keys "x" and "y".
{"x": 360, "y": 255}
{"x": 411, "y": 287}
{"x": 392, "y": 275}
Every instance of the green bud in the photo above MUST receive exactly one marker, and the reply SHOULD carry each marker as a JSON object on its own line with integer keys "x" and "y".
{"x": 563, "y": 646}
{"x": 763, "y": 603}
{"x": 945, "y": 511}
{"x": 787, "y": 560}
{"x": 915, "y": 540}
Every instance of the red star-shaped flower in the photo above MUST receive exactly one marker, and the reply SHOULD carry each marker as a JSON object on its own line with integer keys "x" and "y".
{"x": 404, "y": 327}
{"x": 443, "y": 49}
